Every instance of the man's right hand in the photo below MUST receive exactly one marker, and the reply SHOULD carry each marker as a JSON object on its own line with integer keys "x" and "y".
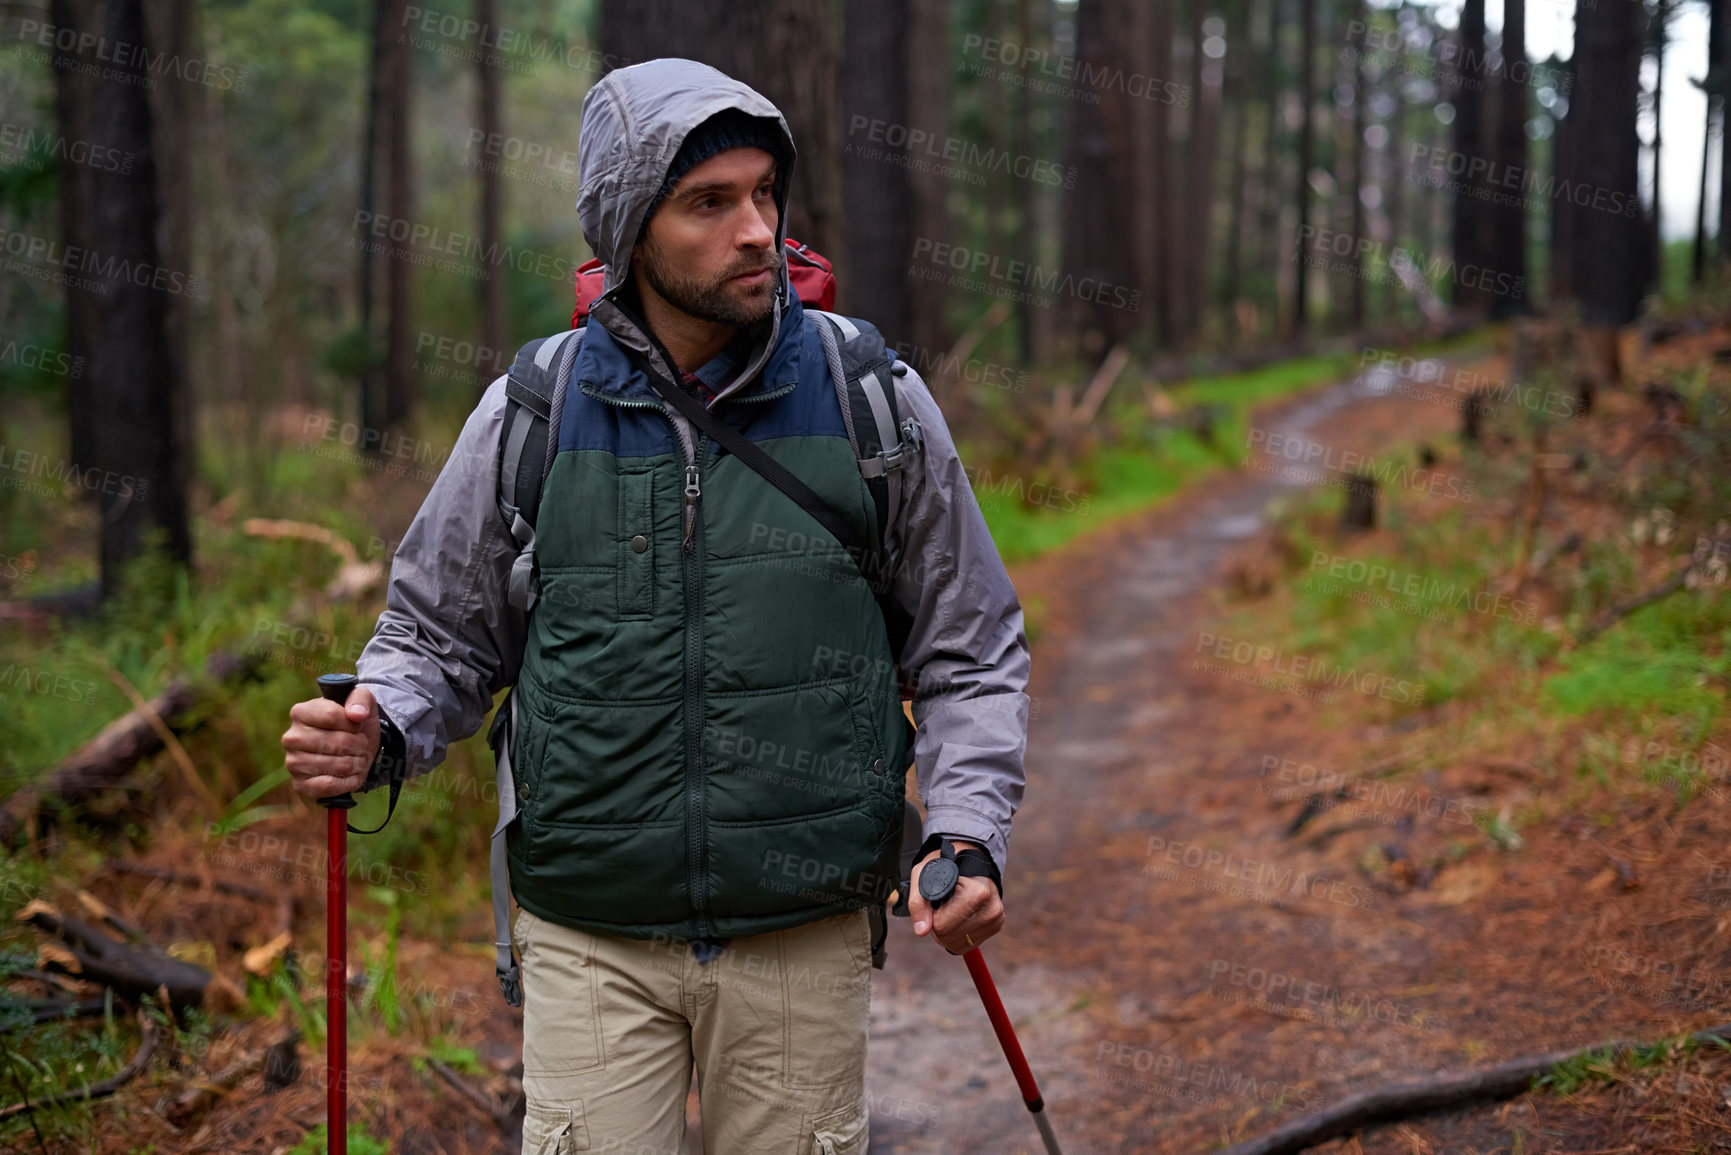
{"x": 331, "y": 745}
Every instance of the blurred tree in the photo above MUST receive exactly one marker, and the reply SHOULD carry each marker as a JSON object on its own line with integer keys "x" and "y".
{"x": 789, "y": 50}
{"x": 1714, "y": 85}
{"x": 1469, "y": 246}
{"x": 1306, "y": 157}
{"x": 135, "y": 394}
{"x": 1507, "y": 223}
{"x": 876, "y": 191}
{"x": 1608, "y": 40}
{"x": 75, "y": 93}
{"x": 493, "y": 335}
{"x": 399, "y": 348}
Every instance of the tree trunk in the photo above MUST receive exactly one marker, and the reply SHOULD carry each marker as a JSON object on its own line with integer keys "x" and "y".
{"x": 876, "y": 190}
{"x": 788, "y": 50}
{"x": 1470, "y": 140}
{"x": 1355, "y": 183}
{"x": 1027, "y": 234}
{"x": 75, "y": 97}
{"x": 399, "y": 337}
{"x": 372, "y": 400}
{"x": 1235, "y": 105}
{"x": 1608, "y": 39}
{"x": 1113, "y": 226}
{"x": 1306, "y": 132}
{"x": 1565, "y": 222}
{"x": 1396, "y": 175}
{"x": 493, "y": 335}
{"x": 1508, "y": 222}
{"x": 136, "y": 396}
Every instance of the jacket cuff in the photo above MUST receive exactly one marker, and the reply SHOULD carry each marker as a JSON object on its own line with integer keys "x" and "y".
{"x": 961, "y": 822}
{"x": 391, "y": 762}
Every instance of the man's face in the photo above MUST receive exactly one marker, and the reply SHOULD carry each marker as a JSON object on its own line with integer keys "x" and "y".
{"x": 717, "y": 223}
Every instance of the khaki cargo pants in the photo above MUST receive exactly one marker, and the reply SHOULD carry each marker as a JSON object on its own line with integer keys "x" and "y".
{"x": 776, "y": 1025}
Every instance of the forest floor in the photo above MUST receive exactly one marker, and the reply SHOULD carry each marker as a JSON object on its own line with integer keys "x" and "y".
{"x": 1186, "y": 971}
{"x": 1188, "y": 964}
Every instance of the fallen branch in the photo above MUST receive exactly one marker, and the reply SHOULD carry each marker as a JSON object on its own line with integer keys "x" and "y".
{"x": 1452, "y": 1089}
{"x": 1622, "y": 610}
{"x": 82, "y": 950}
{"x": 103, "y": 762}
{"x": 141, "y": 1060}
{"x": 481, "y": 1099}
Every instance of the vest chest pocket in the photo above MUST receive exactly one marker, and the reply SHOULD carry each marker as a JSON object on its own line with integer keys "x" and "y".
{"x": 635, "y": 548}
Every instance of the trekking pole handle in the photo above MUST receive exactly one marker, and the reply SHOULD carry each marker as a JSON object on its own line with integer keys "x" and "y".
{"x": 335, "y": 688}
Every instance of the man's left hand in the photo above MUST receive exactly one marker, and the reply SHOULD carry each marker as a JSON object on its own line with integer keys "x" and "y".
{"x": 973, "y": 913}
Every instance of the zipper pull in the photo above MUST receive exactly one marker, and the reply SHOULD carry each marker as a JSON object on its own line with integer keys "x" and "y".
{"x": 692, "y": 492}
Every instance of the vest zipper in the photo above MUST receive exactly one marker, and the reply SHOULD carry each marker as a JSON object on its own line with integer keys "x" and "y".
{"x": 697, "y": 820}
{"x": 692, "y": 493}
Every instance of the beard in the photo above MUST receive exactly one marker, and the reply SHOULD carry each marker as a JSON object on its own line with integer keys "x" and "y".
{"x": 718, "y": 300}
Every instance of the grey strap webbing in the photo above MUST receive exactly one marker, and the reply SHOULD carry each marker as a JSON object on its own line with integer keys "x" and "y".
{"x": 898, "y": 444}
{"x": 510, "y": 974}
{"x": 523, "y": 589}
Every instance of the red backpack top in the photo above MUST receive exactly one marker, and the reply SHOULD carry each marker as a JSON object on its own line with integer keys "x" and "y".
{"x": 812, "y": 275}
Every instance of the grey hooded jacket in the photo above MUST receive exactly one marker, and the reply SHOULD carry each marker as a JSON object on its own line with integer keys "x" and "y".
{"x": 449, "y": 639}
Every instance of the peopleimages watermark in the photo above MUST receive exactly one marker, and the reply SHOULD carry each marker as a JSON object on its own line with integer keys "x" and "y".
{"x": 528, "y": 161}
{"x": 1420, "y": 588}
{"x": 88, "y": 270}
{"x": 120, "y": 60}
{"x": 951, "y": 156}
{"x": 1467, "y": 384}
{"x": 1389, "y": 798}
{"x": 41, "y": 358}
{"x": 1394, "y": 262}
{"x": 500, "y": 46}
{"x": 1440, "y": 164}
{"x": 933, "y": 364}
{"x": 1306, "y": 671}
{"x": 992, "y": 492}
{"x": 1311, "y": 461}
{"x": 1444, "y": 59}
{"x": 16, "y": 678}
{"x": 1291, "y": 996}
{"x": 1250, "y": 878}
{"x": 1009, "y": 60}
{"x": 422, "y": 244}
{"x": 380, "y": 449}
{"x": 439, "y": 356}
{"x": 32, "y": 148}
{"x": 1014, "y": 280}
{"x": 27, "y": 465}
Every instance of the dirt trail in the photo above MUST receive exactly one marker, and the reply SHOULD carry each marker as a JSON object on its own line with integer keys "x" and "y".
{"x": 1120, "y": 982}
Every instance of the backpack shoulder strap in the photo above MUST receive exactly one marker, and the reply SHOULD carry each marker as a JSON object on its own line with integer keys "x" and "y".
{"x": 884, "y": 443}
{"x": 534, "y": 400}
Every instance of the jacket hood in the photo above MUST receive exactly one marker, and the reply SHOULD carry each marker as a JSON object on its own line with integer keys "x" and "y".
{"x": 634, "y": 121}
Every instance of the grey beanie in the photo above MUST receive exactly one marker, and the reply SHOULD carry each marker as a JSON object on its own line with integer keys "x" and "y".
{"x": 729, "y": 128}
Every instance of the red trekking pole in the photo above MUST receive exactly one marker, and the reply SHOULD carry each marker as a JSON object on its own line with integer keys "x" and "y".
{"x": 937, "y": 883}
{"x": 336, "y": 687}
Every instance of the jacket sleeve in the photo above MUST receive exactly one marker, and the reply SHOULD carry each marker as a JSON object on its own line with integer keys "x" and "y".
{"x": 449, "y": 639}
{"x": 966, "y": 651}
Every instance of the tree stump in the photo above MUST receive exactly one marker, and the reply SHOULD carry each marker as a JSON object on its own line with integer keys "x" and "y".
{"x": 1360, "y": 511}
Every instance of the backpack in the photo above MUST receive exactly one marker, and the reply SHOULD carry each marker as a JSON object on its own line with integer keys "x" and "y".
{"x": 812, "y": 275}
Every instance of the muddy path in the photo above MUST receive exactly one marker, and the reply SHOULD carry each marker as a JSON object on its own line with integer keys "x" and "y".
{"x": 1134, "y": 966}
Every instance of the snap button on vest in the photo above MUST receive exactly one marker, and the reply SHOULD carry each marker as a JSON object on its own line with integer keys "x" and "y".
{"x": 878, "y": 766}
{"x": 639, "y": 544}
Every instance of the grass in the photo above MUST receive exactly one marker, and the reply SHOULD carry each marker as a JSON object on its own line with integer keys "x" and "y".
{"x": 1144, "y": 462}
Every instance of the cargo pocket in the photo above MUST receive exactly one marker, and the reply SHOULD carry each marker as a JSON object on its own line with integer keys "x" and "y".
{"x": 840, "y": 1132}
{"x": 554, "y": 1130}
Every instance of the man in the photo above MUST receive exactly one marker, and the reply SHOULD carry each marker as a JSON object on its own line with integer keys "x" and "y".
{"x": 709, "y": 745}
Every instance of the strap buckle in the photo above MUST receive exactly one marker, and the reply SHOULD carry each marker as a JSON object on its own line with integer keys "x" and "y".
{"x": 899, "y": 455}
